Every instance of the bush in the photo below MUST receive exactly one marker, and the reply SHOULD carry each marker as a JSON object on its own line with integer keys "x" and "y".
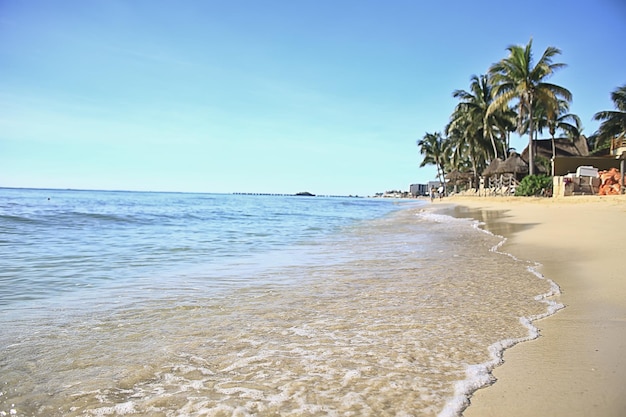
{"x": 535, "y": 185}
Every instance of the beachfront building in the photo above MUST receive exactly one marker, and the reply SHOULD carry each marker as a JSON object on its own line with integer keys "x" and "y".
{"x": 566, "y": 160}
{"x": 417, "y": 190}
{"x": 422, "y": 190}
{"x": 546, "y": 149}
{"x": 574, "y": 171}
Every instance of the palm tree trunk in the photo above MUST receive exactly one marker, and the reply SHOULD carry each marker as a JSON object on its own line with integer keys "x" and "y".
{"x": 531, "y": 152}
{"x": 493, "y": 143}
{"x": 440, "y": 174}
{"x": 507, "y": 140}
{"x": 553, "y": 154}
{"x": 443, "y": 179}
{"x": 474, "y": 167}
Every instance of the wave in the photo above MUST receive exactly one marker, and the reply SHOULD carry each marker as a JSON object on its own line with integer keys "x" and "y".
{"x": 480, "y": 375}
{"x": 10, "y": 218}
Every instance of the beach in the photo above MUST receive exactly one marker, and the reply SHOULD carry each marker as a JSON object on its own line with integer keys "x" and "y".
{"x": 171, "y": 304}
{"x": 577, "y": 366}
{"x": 163, "y": 304}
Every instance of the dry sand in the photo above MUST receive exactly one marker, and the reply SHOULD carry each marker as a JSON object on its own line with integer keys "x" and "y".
{"x": 577, "y": 367}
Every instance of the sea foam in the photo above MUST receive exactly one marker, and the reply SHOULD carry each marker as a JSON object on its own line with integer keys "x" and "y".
{"x": 480, "y": 375}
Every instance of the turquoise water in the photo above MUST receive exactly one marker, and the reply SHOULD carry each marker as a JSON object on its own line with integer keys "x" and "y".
{"x": 81, "y": 243}
{"x": 172, "y": 304}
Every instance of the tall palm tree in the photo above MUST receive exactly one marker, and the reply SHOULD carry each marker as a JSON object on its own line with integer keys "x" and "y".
{"x": 466, "y": 135}
{"x": 564, "y": 121}
{"x": 435, "y": 149}
{"x": 556, "y": 119}
{"x": 457, "y": 156}
{"x": 515, "y": 77}
{"x": 613, "y": 121}
{"x": 506, "y": 122}
{"x": 474, "y": 105}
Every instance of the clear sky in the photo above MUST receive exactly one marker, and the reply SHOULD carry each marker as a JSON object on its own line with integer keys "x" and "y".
{"x": 327, "y": 96}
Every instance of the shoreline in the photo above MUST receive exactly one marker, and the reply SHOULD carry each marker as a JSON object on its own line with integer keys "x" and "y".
{"x": 577, "y": 366}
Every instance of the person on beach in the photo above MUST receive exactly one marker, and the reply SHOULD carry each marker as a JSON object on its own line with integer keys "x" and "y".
{"x": 441, "y": 191}
{"x": 432, "y": 194}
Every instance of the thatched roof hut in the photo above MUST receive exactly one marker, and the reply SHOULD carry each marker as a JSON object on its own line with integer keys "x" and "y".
{"x": 493, "y": 166}
{"x": 456, "y": 175}
{"x": 562, "y": 146}
{"x": 514, "y": 164}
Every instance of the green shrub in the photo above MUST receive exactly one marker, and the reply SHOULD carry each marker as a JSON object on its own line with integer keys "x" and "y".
{"x": 535, "y": 185}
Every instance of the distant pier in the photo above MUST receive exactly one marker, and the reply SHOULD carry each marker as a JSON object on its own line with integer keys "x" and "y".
{"x": 296, "y": 195}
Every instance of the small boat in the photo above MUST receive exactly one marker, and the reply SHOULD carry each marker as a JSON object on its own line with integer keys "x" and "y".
{"x": 305, "y": 194}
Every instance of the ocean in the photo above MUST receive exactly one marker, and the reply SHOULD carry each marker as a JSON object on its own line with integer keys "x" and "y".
{"x": 179, "y": 304}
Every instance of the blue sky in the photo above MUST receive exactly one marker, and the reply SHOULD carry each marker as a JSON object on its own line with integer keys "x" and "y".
{"x": 267, "y": 96}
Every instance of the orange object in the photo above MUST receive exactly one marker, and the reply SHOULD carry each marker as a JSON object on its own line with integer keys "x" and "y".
{"x": 611, "y": 182}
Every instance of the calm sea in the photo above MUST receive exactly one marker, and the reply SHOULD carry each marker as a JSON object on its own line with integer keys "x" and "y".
{"x": 174, "y": 304}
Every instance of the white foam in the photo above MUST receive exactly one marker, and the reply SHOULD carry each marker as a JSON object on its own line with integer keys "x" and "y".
{"x": 350, "y": 376}
{"x": 440, "y": 218}
{"x": 479, "y": 375}
{"x": 303, "y": 332}
{"x": 118, "y": 410}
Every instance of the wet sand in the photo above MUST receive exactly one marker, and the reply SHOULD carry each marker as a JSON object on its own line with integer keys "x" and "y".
{"x": 577, "y": 367}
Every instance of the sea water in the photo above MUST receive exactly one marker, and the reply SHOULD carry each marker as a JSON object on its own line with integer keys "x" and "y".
{"x": 173, "y": 304}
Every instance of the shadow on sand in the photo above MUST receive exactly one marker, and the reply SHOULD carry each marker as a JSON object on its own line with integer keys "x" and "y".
{"x": 494, "y": 221}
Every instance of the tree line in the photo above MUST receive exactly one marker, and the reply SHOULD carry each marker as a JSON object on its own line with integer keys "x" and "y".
{"x": 514, "y": 96}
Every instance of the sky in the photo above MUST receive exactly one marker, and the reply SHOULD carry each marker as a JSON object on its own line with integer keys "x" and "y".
{"x": 262, "y": 96}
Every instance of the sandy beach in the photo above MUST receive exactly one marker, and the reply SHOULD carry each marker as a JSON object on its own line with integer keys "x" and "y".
{"x": 577, "y": 367}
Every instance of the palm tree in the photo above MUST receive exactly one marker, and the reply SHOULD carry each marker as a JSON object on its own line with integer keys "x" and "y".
{"x": 473, "y": 106}
{"x": 457, "y": 156}
{"x": 506, "y": 122}
{"x": 515, "y": 77}
{"x": 613, "y": 121}
{"x": 436, "y": 152}
{"x": 560, "y": 119}
{"x": 466, "y": 136}
{"x": 565, "y": 121}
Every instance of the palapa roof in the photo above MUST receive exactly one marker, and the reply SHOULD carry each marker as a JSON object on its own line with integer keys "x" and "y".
{"x": 563, "y": 147}
{"x": 455, "y": 174}
{"x": 491, "y": 169}
{"x": 514, "y": 164}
